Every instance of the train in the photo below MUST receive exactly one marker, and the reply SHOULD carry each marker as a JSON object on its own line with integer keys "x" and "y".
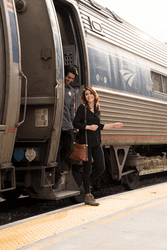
{"x": 127, "y": 68}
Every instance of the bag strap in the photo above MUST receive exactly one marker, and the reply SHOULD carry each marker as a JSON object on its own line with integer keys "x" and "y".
{"x": 85, "y": 131}
{"x": 86, "y": 136}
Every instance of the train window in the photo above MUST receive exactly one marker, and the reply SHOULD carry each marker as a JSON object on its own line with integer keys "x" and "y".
{"x": 2, "y": 69}
{"x": 156, "y": 79}
{"x": 159, "y": 82}
{"x": 164, "y": 84}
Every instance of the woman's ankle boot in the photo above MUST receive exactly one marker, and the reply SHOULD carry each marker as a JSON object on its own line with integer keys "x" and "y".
{"x": 90, "y": 200}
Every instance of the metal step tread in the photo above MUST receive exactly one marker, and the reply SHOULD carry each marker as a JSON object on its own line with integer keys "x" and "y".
{"x": 64, "y": 172}
{"x": 65, "y": 193}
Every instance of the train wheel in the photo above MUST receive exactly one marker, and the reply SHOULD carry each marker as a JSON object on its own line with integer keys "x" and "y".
{"x": 11, "y": 195}
{"x": 131, "y": 180}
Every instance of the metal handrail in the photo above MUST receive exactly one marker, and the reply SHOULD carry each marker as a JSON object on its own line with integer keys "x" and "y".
{"x": 25, "y": 100}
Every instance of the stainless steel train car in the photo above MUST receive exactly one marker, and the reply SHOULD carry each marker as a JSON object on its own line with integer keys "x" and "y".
{"x": 127, "y": 68}
{"x": 10, "y": 92}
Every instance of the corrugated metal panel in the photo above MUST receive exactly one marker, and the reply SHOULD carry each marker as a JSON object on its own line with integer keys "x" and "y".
{"x": 145, "y": 120}
{"x": 124, "y": 35}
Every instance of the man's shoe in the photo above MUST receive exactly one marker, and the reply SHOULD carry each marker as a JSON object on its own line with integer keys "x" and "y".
{"x": 90, "y": 200}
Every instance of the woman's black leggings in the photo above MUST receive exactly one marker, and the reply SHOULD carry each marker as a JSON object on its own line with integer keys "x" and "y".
{"x": 88, "y": 175}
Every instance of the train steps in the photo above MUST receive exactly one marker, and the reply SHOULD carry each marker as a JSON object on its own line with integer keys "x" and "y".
{"x": 67, "y": 188}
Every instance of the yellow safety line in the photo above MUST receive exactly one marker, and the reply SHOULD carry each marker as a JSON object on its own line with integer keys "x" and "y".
{"x": 89, "y": 227}
{"x": 28, "y": 232}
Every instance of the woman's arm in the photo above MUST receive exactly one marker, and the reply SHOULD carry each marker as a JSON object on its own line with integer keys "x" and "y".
{"x": 105, "y": 126}
{"x": 92, "y": 127}
{"x": 113, "y": 125}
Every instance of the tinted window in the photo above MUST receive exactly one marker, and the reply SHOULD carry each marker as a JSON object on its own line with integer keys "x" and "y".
{"x": 159, "y": 82}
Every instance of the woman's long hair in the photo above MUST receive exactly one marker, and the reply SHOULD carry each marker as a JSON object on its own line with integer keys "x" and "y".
{"x": 84, "y": 101}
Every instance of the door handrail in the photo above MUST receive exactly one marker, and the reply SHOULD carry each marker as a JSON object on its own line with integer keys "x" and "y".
{"x": 25, "y": 100}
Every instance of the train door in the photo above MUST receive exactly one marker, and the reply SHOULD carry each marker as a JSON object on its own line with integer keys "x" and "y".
{"x": 37, "y": 139}
{"x": 74, "y": 52}
{"x": 10, "y": 88}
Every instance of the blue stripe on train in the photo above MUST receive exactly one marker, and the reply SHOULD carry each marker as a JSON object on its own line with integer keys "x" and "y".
{"x": 15, "y": 46}
{"x": 120, "y": 74}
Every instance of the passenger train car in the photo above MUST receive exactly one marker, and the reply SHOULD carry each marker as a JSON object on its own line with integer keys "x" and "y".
{"x": 10, "y": 92}
{"x": 127, "y": 68}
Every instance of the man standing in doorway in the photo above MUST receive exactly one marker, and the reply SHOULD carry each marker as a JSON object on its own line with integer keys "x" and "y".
{"x": 67, "y": 134}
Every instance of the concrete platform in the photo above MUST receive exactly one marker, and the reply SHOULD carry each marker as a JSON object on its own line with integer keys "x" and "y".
{"x": 133, "y": 220}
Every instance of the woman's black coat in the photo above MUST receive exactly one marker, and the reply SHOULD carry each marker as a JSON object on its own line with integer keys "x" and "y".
{"x": 94, "y": 137}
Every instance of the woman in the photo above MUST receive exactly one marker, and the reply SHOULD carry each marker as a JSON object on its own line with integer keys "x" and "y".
{"x": 93, "y": 126}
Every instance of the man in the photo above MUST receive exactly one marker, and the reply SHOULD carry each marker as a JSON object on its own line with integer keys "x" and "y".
{"x": 67, "y": 134}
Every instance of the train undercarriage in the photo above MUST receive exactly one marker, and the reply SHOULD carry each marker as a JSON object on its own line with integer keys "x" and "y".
{"x": 123, "y": 165}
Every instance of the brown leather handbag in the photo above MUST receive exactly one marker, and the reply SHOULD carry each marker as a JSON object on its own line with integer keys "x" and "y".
{"x": 80, "y": 151}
